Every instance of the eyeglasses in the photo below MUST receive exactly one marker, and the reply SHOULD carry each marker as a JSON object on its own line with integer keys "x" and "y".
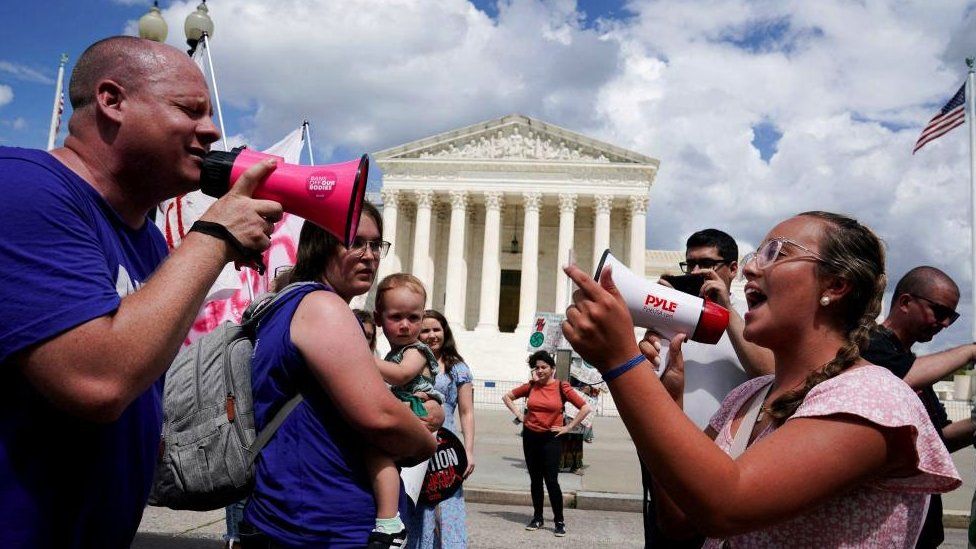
{"x": 770, "y": 251}
{"x": 940, "y": 311}
{"x": 705, "y": 264}
{"x": 378, "y": 247}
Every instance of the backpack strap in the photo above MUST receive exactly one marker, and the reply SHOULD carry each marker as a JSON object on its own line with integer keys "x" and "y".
{"x": 263, "y": 304}
{"x": 562, "y": 390}
{"x": 269, "y": 430}
{"x": 257, "y": 310}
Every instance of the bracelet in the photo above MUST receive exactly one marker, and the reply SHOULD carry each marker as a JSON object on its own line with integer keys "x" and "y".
{"x": 217, "y": 230}
{"x": 614, "y": 373}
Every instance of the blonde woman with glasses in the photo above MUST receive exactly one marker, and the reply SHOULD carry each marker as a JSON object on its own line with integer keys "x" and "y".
{"x": 829, "y": 451}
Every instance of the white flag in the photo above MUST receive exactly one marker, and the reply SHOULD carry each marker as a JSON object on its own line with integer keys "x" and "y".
{"x": 228, "y": 297}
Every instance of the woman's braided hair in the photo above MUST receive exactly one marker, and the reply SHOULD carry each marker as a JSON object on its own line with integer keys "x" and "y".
{"x": 853, "y": 252}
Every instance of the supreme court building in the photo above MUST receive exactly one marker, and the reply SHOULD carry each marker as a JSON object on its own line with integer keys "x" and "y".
{"x": 485, "y": 215}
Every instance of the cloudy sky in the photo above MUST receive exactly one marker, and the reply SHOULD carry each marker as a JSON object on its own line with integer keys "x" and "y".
{"x": 756, "y": 109}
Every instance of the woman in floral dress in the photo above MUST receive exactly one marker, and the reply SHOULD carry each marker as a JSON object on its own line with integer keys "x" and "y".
{"x": 443, "y": 525}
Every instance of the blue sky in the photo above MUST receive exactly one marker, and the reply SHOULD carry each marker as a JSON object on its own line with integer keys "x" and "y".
{"x": 591, "y": 10}
{"x": 757, "y": 110}
{"x": 32, "y": 37}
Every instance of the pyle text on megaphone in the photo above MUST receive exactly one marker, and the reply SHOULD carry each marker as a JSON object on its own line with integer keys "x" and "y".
{"x": 665, "y": 310}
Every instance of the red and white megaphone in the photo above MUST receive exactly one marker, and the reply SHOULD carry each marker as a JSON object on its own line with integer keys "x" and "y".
{"x": 331, "y": 196}
{"x": 666, "y": 310}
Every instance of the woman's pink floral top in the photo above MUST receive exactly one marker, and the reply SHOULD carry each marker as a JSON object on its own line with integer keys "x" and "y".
{"x": 883, "y": 512}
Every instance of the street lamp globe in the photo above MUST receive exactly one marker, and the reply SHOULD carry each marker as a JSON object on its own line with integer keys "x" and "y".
{"x": 196, "y": 25}
{"x": 152, "y": 26}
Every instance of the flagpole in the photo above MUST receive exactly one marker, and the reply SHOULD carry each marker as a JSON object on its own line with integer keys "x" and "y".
{"x": 308, "y": 141}
{"x": 213, "y": 79}
{"x": 205, "y": 42}
{"x": 56, "y": 112}
{"x": 971, "y": 115}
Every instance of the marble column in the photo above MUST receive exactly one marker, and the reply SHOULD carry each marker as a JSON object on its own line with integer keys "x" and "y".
{"x": 391, "y": 263}
{"x": 529, "y": 292}
{"x": 457, "y": 268}
{"x": 421, "y": 238}
{"x": 567, "y": 228}
{"x": 638, "y": 233}
{"x": 602, "y": 204}
{"x": 491, "y": 274}
{"x": 438, "y": 216}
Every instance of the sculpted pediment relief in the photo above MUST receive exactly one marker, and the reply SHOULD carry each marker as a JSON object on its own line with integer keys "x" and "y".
{"x": 513, "y": 137}
{"x": 513, "y": 144}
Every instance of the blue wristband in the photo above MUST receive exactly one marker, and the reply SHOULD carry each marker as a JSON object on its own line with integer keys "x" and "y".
{"x": 614, "y": 373}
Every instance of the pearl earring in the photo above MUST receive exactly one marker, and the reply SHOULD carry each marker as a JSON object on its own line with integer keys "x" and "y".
{"x": 825, "y": 301}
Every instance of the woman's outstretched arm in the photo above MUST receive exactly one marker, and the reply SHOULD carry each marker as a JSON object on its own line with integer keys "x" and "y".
{"x": 803, "y": 463}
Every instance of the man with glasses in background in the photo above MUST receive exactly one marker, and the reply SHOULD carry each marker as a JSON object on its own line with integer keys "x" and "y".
{"x": 923, "y": 304}
{"x": 711, "y": 371}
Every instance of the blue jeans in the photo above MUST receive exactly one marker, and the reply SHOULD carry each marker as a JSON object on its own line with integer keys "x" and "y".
{"x": 234, "y": 514}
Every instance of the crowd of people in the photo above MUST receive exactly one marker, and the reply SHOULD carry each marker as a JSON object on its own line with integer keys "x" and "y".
{"x": 808, "y": 424}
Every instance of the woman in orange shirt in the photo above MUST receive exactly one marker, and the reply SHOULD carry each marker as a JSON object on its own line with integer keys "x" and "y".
{"x": 542, "y": 424}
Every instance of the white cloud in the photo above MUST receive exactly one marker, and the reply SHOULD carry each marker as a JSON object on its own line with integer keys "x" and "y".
{"x": 849, "y": 85}
{"x": 374, "y": 74}
{"x": 688, "y": 96}
{"x": 6, "y": 94}
{"x": 22, "y": 72}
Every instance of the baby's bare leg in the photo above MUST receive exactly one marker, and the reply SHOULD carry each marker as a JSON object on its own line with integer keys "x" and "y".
{"x": 385, "y": 479}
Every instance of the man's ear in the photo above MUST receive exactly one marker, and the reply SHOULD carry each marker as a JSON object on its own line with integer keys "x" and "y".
{"x": 109, "y": 96}
{"x": 901, "y": 302}
{"x": 734, "y": 269}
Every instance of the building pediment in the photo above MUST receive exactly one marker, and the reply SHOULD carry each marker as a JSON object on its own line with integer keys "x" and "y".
{"x": 514, "y": 138}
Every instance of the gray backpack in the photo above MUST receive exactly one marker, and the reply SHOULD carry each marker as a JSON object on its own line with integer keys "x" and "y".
{"x": 208, "y": 444}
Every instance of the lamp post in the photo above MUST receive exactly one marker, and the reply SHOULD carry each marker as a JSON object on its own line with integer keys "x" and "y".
{"x": 152, "y": 26}
{"x": 198, "y": 29}
{"x": 197, "y": 26}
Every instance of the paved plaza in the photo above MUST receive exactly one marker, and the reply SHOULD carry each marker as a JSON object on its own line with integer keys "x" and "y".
{"x": 607, "y": 496}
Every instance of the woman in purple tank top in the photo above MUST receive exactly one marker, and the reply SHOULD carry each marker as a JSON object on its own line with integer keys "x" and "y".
{"x": 311, "y": 488}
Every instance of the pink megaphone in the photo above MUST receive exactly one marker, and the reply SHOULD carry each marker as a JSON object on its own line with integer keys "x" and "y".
{"x": 331, "y": 195}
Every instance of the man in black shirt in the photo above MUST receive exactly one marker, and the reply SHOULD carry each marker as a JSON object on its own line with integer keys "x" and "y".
{"x": 923, "y": 304}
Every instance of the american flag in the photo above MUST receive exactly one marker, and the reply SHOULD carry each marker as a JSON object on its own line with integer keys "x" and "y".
{"x": 60, "y": 112}
{"x": 952, "y": 114}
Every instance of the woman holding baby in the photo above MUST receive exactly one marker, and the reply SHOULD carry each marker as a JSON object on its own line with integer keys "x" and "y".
{"x": 311, "y": 344}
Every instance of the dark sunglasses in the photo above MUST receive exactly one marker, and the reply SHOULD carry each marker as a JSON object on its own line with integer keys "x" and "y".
{"x": 706, "y": 264}
{"x": 940, "y": 311}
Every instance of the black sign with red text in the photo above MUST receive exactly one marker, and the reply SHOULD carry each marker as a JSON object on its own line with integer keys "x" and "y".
{"x": 445, "y": 471}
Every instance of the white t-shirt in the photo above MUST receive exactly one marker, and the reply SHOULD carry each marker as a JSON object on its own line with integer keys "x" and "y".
{"x": 711, "y": 372}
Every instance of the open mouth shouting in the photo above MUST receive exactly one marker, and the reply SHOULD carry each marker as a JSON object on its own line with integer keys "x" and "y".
{"x": 754, "y": 296}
